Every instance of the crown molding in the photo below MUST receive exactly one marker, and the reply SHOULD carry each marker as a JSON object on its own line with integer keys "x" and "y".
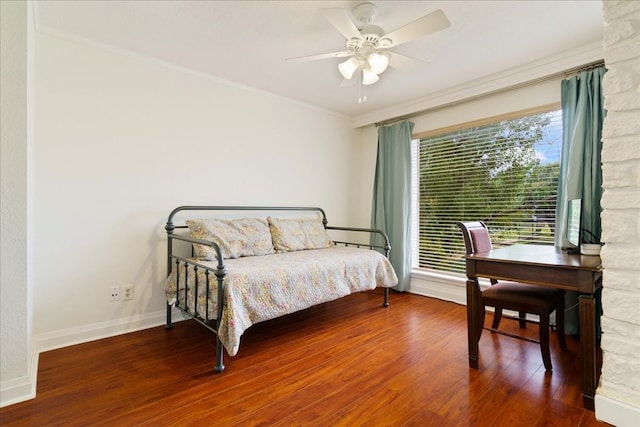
{"x": 532, "y": 72}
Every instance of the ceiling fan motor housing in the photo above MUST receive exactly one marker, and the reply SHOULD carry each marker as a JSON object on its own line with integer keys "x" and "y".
{"x": 371, "y": 36}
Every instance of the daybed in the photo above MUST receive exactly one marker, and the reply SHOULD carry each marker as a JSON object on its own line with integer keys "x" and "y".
{"x": 263, "y": 268}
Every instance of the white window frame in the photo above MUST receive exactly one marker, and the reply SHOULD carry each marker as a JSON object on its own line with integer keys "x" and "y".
{"x": 442, "y": 284}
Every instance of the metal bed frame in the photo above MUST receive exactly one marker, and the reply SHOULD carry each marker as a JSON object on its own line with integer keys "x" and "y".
{"x": 220, "y": 271}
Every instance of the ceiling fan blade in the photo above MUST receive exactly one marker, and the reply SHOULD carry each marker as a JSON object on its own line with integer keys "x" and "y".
{"x": 431, "y": 23}
{"x": 403, "y": 62}
{"x": 342, "y": 22}
{"x": 341, "y": 54}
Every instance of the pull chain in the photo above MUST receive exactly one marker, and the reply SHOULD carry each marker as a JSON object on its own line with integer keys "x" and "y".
{"x": 361, "y": 99}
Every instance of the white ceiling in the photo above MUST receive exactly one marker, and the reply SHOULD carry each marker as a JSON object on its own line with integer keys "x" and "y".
{"x": 489, "y": 43}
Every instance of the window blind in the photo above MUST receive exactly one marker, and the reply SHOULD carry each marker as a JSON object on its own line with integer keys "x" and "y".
{"x": 503, "y": 173}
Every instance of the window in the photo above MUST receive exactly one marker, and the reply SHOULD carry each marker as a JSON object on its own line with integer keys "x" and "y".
{"x": 504, "y": 173}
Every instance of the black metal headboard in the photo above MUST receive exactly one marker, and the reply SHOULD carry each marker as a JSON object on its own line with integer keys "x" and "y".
{"x": 170, "y": 226}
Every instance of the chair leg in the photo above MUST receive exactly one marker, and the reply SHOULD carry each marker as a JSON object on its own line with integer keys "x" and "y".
{"x": 560, "y": 325}
{"x": 523, "y": 319}
{"x": 544, "y": 341}
{"x": 482, "y": 316}
{"x": 497, "y": 315}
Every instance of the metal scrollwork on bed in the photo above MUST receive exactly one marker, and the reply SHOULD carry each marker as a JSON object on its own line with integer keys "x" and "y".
{"x": 229, "y": 294}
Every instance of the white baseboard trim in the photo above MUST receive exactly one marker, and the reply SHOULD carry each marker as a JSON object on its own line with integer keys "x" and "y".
{"x": 445, "y": 287}
{"x": 20, "y": 389}
{"x": 615, "y": 412}
{"x": 24, "y": 388}
{"x": 448, "y": 288}
{"x": 17, "y": 390}
{"x": 82, "y": 334}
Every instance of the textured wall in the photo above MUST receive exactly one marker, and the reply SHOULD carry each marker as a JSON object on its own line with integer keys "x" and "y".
{"x": 14, "y": 298}
{"x": 620, "y": 381}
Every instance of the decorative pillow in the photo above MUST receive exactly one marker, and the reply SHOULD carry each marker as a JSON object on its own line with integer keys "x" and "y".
{"x": 294, "y": 234}
{"x": 236, "y": 238}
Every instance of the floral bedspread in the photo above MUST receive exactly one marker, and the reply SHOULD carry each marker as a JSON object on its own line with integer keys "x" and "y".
{"x": 264, "y": 287}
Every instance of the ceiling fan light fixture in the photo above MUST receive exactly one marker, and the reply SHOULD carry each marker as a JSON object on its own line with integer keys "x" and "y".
{"x": 348, "y": 67}
{"x": 369, "y": 77}
{"x": 378, "y": 62}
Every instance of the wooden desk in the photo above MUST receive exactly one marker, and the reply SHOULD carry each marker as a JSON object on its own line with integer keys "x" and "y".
{"x": 542, "y": 265}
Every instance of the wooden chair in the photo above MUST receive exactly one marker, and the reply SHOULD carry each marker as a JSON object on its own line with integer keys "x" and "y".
{"x": 518, "y": 297}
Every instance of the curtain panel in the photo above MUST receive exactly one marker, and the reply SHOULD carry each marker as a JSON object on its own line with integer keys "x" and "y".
{"x": 391, "y": 206}
{"x": 583, "y": 114}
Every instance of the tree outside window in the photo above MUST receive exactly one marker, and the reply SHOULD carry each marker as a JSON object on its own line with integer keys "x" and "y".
{"x": 504, "y": 173}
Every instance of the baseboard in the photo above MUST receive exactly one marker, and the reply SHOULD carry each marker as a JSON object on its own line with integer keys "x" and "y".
{"x": 20, "y": 389}
{"x": 17, "y": 390}
{"x": 450, "y": 288}
{"x": 615, "y": 412}
{"x": 24, "y": 388}
{"x": 72, "y": 336}
{"x": 441, "y": 286}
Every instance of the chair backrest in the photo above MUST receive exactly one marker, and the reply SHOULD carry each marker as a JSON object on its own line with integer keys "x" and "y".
{"x": 476, "y": 236}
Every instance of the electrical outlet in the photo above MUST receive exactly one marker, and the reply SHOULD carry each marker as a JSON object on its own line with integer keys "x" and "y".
{"x": 127, "y": 292}
{"x": 114, "y": 293}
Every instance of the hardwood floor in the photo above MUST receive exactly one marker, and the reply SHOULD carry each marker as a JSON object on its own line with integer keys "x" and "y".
{"x": 345, "y": 363}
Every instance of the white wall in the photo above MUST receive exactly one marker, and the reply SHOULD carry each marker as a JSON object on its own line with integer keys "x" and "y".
{"x": 121, "y": 140}
{"x": 15, "y": 266}
{"x": 618, "y": 395}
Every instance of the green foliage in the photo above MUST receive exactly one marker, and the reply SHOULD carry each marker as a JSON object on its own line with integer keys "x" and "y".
{"x": 491, "y": 173}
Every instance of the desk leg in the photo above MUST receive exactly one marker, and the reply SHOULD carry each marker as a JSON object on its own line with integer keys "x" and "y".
{"x": 588, "y": 349}
{"x": 475, "y": 320}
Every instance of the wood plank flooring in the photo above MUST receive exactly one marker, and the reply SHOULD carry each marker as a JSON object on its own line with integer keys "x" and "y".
{"x": 349, "y": 362}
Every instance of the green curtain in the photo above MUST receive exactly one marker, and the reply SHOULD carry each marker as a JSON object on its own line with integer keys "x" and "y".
{"x": 583, "y": 115}
{"x": 391, "y": 207}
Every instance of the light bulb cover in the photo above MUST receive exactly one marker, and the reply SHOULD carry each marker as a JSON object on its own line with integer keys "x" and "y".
{"x": 378, "y": 62}
{"x": 369, "y": 77}
{"x": 348, "y": 67}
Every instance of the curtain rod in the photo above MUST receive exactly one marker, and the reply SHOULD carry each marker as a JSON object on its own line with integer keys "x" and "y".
{"x": 584, "y": 68}
{"x": 566, "y": 74}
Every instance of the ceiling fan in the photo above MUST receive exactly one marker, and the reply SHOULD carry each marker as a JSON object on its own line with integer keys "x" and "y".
{"x": 368, "y": 45}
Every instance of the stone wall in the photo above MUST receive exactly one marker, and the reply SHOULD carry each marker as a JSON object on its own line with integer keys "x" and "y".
{"x": 618, "y": 395}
